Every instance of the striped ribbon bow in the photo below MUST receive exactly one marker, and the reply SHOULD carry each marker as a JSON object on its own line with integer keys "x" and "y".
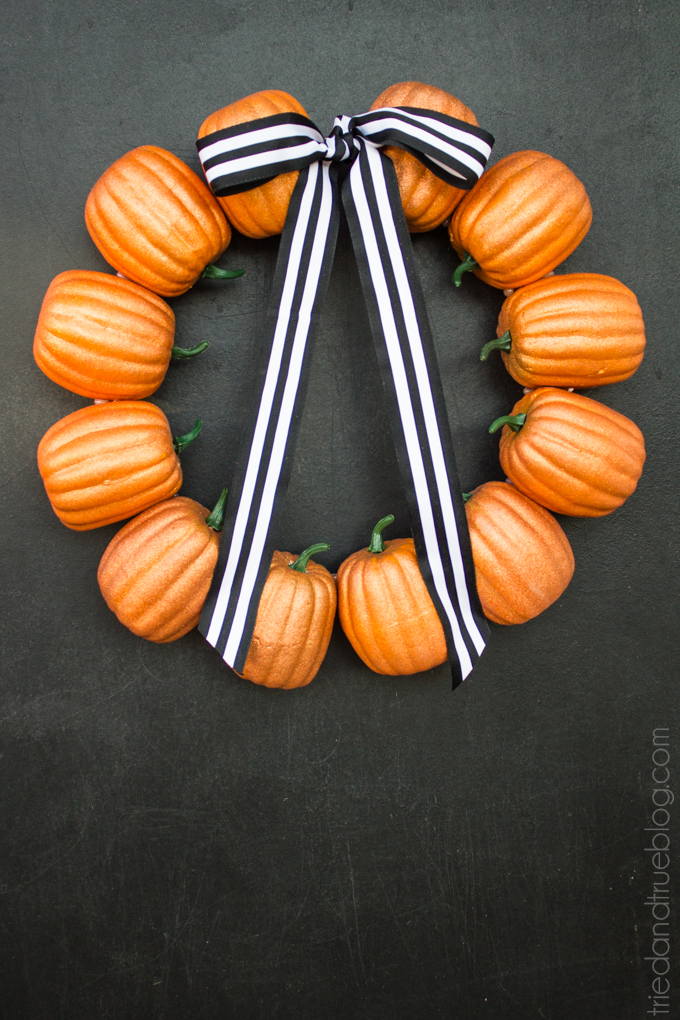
{"x": 346, "y": 167}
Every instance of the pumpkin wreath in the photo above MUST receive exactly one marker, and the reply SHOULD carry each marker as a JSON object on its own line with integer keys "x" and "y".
{"x": 111, "y": 338}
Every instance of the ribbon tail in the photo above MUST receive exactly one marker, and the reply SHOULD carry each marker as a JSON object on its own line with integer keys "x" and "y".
{"x": 263, "y": 470}
{"x": 410, "y": 374}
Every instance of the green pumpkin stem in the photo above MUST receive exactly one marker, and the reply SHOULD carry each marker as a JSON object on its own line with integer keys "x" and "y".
{"x": 503, "y": 343}
{"x": 216, "y": 519}
{"x": 467, "y": 264}
{"x": 213, "y": 272}
{"x": 377, "y": 545}
{"x": 515, "y": 421}
{"x": 466, "y": 496}
{"x": 301, "y": 562}
{"x": 181, "y": 442}
{"x": 189, "y": 352}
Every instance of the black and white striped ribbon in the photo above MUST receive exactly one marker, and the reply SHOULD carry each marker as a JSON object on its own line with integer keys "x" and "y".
{"x": 245, "y": 156}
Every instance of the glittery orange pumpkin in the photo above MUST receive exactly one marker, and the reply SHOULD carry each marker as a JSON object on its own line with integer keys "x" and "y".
{"x": 577, "y": 329}
{"x": 523, "y": 560}
{"x": 156, "y": 572}
{"x": 294, "y": 622}
{"x": 385, "y": 608}
{"x": 571, "y": 454}
{"x": 103, "y": 337}
{"x": 523, "y": 217}
{"x": 426, "y": 199}
{"x": 155, "y": 221}
{"x": 107, "y": 462}
{"x": 260, "y": 212}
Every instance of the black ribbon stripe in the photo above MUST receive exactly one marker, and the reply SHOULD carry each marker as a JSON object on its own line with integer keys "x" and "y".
{"x": 249, "y": 154}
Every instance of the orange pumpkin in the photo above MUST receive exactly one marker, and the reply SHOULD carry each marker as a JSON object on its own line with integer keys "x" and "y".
{"x": 578, "y": 330}
{"x": 294, "y": 621}
{"x": 260, "y": 212}
{"x": 110, "y": 461}
{"x": 521, "y": 219}
{"x": 571, "y": 454}
{"x": 523, "y": 560}
{"x": 426, "y": 199}
{"x": 156, "y": 572}
{"x": 385, "y": 608}
{"x": 155, "y": 221}
{"x": 103, "y": 337}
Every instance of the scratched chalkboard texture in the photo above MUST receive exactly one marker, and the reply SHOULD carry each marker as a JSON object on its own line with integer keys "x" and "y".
{"x": 177, "y": 843}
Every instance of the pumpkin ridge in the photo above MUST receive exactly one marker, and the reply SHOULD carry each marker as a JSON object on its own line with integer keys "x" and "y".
{"x": 114, "y": 251}
{"x": 290, "y": 591}
{"x": 76, "y": 456}
{"x": 134, "y": 316}
{"x": 518, "y": 462}
{"x": 406, "y": 582}
{"x": 132, "y": 206}
{"x": 179, "y": 576}
{"x": 555, "y": 493}
{"x": 306, "y": 599}
{"x": 53, "y": 368}
{"x": 149, "y": 358}
{"x": 177, "y": 529}
{"x": 69, "y": 492}
{"x": 130, "y": 531}
{"x": 102, "y": 291}
{"x": 533, "y": 228}
{"x": 121, "y": 509}
{"x": 325, "y": 620}
{"x": 373, "y": 653}
{"x": 200, "y": 211}
{"x": 606, "y": 417}
{"x": 126, "y": 571}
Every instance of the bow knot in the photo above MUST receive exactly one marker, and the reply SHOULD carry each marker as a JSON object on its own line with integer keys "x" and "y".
{"x": 342, "y": 144}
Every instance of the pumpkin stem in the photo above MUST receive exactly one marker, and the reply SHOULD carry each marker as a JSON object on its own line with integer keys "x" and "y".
{"x": 181, "y": 442}
{"x": 515, "y": 421}
{"x": 213, "y": 272}
{"x": 467, "y": 264}
{"x": 466, "y": 496}
{"x": 189, "y": 352}
{"x": 377, "y": 545}
{"x": 215, "y": 520}
{"x": 503, "y": 343}
{"x": 301, "y": 562}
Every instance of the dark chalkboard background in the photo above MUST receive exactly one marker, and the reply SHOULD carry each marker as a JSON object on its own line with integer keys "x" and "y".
{"x": 177, "y": 843}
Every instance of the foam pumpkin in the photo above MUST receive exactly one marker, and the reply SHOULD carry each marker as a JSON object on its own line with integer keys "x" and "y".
{"x": 156, "y": 572}
{"x": 523, "y": 217}
{"x": 385, "y": 608}
{"x": 523, "y": 560}
{"x": 156, "y": 222}
{"x": 577, "y": 329}
{"x": 107, "y": 462}
{"x": 105, "y": 337}
{"x": 294, "y": 621}
{"x": 426, "y": 199}
{"x": 261, "y": 211}
{"x": 570, "y": 453}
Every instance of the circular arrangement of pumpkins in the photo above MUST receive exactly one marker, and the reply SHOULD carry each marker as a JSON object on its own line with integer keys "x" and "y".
{"x": 111, "y": 338}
